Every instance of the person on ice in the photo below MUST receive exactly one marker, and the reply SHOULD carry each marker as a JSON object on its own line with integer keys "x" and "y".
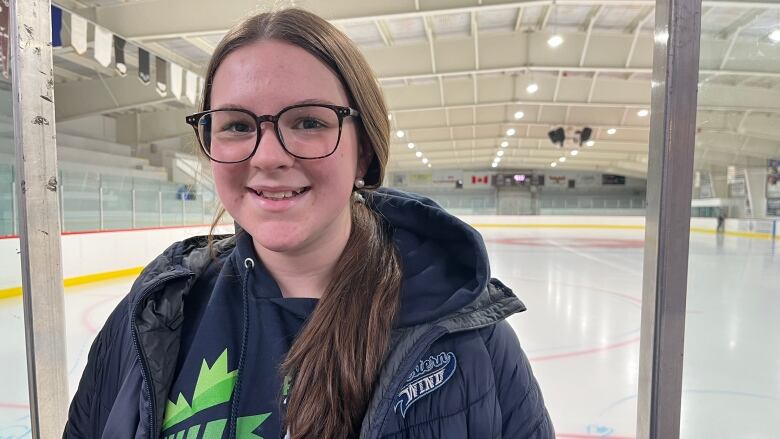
{"x": 339, "y": 309}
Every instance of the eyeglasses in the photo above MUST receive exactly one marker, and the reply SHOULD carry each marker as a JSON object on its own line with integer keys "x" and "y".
{"x": 308, "y": 131}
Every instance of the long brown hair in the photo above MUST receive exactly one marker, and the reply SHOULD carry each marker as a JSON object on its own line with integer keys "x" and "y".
{"x": 336, "y": 358}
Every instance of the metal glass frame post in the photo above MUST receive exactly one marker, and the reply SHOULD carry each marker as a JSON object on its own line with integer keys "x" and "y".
{"x": 159, "y": 208}
{"x": 14, "y": 208}
{"x": 132, "y": 208}
{"x": 62, "y": 207}
{"x": 100, "y": 205}
{"x": 39, "y": 227}
{"x": 669, "y": 179}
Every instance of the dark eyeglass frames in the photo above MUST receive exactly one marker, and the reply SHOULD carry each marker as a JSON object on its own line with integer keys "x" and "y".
{"x": 306, "y": 131}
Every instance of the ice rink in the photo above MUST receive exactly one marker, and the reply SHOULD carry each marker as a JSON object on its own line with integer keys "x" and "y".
{"x": 581, "y": 331}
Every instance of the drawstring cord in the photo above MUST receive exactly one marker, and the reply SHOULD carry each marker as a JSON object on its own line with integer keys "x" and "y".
{"x": 249, "y": 264}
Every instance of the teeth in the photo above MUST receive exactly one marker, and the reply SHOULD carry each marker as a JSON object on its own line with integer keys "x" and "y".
{"x": 281, "y": 195}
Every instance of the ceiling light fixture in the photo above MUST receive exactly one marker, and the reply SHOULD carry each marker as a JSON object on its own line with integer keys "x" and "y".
{"x": 425, "y": 161}
{"x": 775, "y": 36}
{"x": 553, "y": 164}
{"x": 511, "y": 132}
{"x": 500, "y": 153}
{"x": 418, "y": 154}
{"x": 590, "y": 143}
{"x": 519, "y": 115}
{"x": 562, "y": 159}
{"x": 504, "y": 144}
{"x": 399, "y": 133}
{"x": 642, "y": 113}
{"x": 532, "y": 88}
{"x": 574, "y": 152}
{"x": 494, "y": 165}
{"x": 410, "y": 145}
{"x": 611, "y": 131}
{"x": 555, "y": 41}
{"x": 429, "y": 165}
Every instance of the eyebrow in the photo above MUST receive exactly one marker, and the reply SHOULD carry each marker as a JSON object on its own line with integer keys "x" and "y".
{"x": 229, "y": 106}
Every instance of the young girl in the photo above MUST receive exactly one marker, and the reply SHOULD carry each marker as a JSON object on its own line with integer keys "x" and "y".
{"x": 338, "y": 310}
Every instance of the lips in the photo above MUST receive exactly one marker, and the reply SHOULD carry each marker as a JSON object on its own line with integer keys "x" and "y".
{"x": 279, "y": 194}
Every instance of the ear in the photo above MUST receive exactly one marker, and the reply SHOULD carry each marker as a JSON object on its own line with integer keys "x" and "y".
{"x": 365, "y": 155}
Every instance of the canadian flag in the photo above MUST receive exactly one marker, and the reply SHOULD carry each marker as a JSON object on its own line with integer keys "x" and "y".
{"x": 479, "y": 179}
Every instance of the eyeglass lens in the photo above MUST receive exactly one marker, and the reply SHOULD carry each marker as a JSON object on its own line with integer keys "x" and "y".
{"x": 306, "y": 132}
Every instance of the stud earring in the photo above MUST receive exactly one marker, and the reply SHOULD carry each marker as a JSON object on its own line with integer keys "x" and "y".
{"x": 359, "y": 183}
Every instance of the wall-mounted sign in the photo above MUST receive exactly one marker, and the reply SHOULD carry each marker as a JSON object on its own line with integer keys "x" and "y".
{"x": 610, "y": 179}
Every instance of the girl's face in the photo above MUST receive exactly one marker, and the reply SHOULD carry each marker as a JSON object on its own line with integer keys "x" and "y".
{"x": 265, "y": 77}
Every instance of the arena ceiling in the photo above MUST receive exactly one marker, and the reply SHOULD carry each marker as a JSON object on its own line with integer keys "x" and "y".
{"x": 456, "y": 75}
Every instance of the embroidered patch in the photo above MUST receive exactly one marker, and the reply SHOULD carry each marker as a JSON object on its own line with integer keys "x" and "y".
{"x": 429, "y": 375}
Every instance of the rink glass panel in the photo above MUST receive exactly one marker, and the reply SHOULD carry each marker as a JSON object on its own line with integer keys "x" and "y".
{"x": 731, "y": 387}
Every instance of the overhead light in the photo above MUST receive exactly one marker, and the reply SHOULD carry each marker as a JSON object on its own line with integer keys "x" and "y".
{"x": 562, "y": 159}
{"x": 504, "y": 144}
{"x": 494, "y": 165}
{"x": 590, "y": 143}
{"x": 399, "y": 133}
{"x": 519, "y": 115}
{"x": 497, "y": 159}
{"x": 410, "y": 145}
{"x": 425, "y": 161}
{"x": 553, "y": 164}
{"x": 574, "y": 152}
{"x": 389, "y": 116}
{"x": 511, "y": 132}
{"x": 429, "y": 165}
{"x": 418, "y": 154}
{"x": 775, "y": 36}
{"x": 642, "y": 113}
{"x": 611, "y": 131}
{"x": 555, "y": 41}
{"x": 500, "y": 153}
{"x": 532, "y": 88}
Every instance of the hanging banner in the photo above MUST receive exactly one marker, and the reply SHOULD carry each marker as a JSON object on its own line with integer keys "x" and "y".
{"x": 143, "y": 66}
{"x": 191, "y": 87}
{"x": 5, "y": 39}
{"x": 103, "y": 46}
{"x": 557, "y": 181}
{"x": 773, "y": 179}
{"x": 119, "y": 56}
{"x": 78, "y": 34}
{"x": 176, "y": 72}
{"x": 162, "y": 76}
{"x": 56, "y": 26}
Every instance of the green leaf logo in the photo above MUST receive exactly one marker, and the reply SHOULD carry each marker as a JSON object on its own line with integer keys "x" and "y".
{"x": 214, "y": 386}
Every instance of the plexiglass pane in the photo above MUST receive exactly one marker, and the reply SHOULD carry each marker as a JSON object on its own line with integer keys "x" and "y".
{"x": 731, "y": 384}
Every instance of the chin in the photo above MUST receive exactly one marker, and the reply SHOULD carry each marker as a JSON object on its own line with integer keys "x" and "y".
{"x": 279, "y": 238}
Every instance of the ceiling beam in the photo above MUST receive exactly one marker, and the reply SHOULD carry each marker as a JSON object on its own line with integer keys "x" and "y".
{"x": 429, "y": 37}
{"x": 99, "y": 96}
{"x": 148, "y": 20}
{"x": 384, "y": 32}
{"x": 201, "y": 44}
{"x": 639, "y": 22}
{"x": 574, "y": 69}
{"x": 734, "y": 29}
{"x": 594, "y": 16}
{"x": 519, "y": 18}
{"x": 544, "y": 17}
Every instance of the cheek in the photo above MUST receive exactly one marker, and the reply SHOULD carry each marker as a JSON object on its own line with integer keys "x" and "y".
{"x": 228, "y": 181}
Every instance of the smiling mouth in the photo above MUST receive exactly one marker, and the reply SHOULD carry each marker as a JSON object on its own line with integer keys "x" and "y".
{"x": 281, "y": 195}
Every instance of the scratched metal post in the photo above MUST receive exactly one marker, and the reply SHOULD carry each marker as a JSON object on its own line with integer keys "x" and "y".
{"x": 39, "y": 228}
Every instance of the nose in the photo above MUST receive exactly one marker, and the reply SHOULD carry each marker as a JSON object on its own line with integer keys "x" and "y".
{"x": 270, "y": 154}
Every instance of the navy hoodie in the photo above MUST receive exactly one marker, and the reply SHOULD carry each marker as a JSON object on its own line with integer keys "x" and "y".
{"x": 210, "y": 345}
